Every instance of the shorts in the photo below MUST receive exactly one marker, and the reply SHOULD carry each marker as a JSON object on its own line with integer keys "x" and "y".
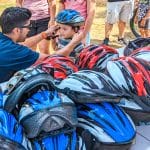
{"x": 147, "y": 24}
{"x": 116, "y": 11}
{"x": 38, "y": 26}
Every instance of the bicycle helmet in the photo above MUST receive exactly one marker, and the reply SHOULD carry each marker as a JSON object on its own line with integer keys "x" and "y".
{"x": 89, "y": 86}
{"x": 58, "y": 66}
{"x": 131, "y": 75}
{"x": 22, "y": 85}
{"x": 136, "y": 44}
{"x": 11, "y": 133}
{"x": 142, "y": 53}
{"x": 47, "y": 112}
{"x": 105, "y": 126}
{"x": 70, "y": 17}
{"x": 136, "y": 112}
{"x": 69, "y": 141}
{"x": 95, "y": 57}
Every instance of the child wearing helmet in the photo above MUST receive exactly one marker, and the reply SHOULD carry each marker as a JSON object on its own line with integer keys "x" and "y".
{"x": 69, "y": 22}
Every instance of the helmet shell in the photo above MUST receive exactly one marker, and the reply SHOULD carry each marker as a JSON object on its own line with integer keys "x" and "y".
{"x": 12, "y": 136}
{"x": 105, "y": 125}
{"x": 53, "y": 113}
{"x": 70, "y": 17}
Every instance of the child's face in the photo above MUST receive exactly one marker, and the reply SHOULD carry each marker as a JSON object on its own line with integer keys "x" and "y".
{"x": 65, "y": 31}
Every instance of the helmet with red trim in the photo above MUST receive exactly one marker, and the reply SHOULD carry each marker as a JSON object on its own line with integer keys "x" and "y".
{"x": 136, "y": 44}
{"x": 142, "y": 53}
{"x": 58, "y": 66}
{"x": 95, "y": 57}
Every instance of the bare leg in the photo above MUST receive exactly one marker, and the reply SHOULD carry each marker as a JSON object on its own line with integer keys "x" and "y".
{"x": 44, "y": 46}
{"x": 121, "y": 27}
{"x": 108, "y": 29}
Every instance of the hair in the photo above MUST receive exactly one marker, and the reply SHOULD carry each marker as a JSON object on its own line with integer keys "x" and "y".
{"x": 13, "y": 17}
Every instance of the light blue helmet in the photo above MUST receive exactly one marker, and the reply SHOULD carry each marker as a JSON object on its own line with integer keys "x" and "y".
{"x": 12, "y": 136}
{"x": 70, "y": 17}
{"x": 105, "y": 125}
{"x": 48, "y": 113}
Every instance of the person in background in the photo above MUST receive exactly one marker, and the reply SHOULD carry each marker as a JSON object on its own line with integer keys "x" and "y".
{"x": 15, "y": 53}
{"x": 86, "y": 9}
{"x": 43, "y": 14}
{"x": 118, "y": 11}
{"x": 69, "y": 22}
{"x": 143, "y": 17}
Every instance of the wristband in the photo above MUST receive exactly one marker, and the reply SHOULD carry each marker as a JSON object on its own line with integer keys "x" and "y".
{"x": 44, "y": 35}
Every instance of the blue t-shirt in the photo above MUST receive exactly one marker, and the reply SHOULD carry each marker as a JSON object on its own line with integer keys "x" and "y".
{"x": 14, "y": 57}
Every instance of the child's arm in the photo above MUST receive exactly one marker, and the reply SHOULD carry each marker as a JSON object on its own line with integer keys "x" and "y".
{"x": 19, "y": 3}
{"x": 90, "y": 16}
{"x": 52, "y": 7}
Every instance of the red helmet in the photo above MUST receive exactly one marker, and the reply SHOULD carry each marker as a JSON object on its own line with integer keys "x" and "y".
{"x": 95, "y": 57}
{"x": 58, "y": 66}
{"x": 142, "y": 53}
{"x": 140, "y": 73}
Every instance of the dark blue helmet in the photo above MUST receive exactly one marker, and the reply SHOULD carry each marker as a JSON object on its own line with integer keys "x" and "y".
{"x": 47, "y": 112}
{"x": 67, "y": 141}
{"x": 105, "y": 125}
{"x": 136, "y": 44}
{"x": 70, "y": 17}
{"x": 11, "y": 133}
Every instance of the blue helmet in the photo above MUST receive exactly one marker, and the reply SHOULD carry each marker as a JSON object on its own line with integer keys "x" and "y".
{"x": 11, "y": 133}
{"x": 105, "y": 125}
{"x": 67, "y": 141}
{"x": 47, "y": 112}
{"x": 22, "y": 85}
{"x": 70, "y": 17}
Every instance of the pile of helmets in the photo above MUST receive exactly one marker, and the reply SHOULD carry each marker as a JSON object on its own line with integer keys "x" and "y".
{"x": 60, "y": 105}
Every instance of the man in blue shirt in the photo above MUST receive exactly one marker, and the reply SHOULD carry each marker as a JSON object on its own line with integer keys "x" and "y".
{"x": 14, "y": 55}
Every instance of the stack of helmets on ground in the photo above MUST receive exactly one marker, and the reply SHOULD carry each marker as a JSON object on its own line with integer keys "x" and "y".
{"x": 137, "y": 111}
{"x": 44, "y": 113}
{"x": 95, "y": 57}
{"x": 136, "y": 44}
{"x": 95, "y": 117}
{"x": 58, "y": 66}
{"x": 133, "y": 76}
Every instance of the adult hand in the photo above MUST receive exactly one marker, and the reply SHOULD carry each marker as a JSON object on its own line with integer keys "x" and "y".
{"x": 52, "y": 30}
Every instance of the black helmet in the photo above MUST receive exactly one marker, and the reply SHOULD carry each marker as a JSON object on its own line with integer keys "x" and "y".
{"x": 23, "y": 84}
{"x": 137, "y": 112}
{"x": 136, "y": 44}
{"x": 89, "y": 86}
{"x": 105, "y": 126}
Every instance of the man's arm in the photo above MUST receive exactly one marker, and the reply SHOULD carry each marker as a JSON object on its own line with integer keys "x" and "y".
{"x": 19, "y": 3}
{"x": 64, "y": 51}
{"x": 90, "y": 16}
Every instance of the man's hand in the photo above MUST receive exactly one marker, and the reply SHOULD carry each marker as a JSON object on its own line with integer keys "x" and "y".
{"x": 52, "y": 30}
